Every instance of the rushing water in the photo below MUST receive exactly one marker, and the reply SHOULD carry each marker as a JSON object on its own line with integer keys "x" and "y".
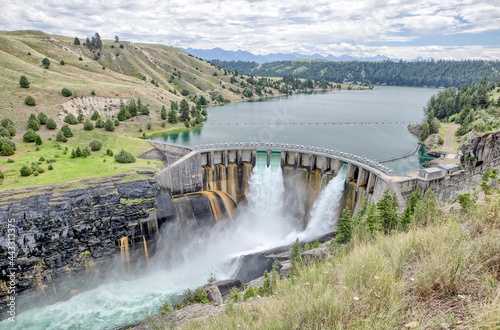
{"x": 186, "y": 260}
{"x": 383, "y": 104}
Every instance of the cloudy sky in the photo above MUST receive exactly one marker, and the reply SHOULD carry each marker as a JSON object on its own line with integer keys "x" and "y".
{"x": 450, "y": 29}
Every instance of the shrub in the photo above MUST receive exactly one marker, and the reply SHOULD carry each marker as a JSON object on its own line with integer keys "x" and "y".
{"x": 124, "y": 157}
{"x": 145, "y": 110}
{"x": 87, "y": 125}
{"x": 6, "y": 122}
{"x": 12, "y": 130}
{"x": 29, "y": 136}
{"x": 38, "y": 140}
{"x": 62, "y": 62}
{"x": 71, "y": 119}
{"x": 66, "y": 92}
{"x": 148, "y": 126}
{"x": 95, "y": 116}
{"x": 121, "y": 46}
{"x": 186, "y": 123}
{"x": 80, "y": 58}
{"x": 66, "y": 131}
{"x": 60, "y": 137}
{"x": 249, "y": 293}
{"x": 51, "y": 124}
{"x": 6, "y": 149}
{"x": 1, "y": 176}
{"x": 29, "y": 100}
{"x": 4, "y": 132}
{"x": 50, "y": 167}
{"x": 117, "y": 122}
{"x": 99, "y": 123}
{"x": 92, "y": 93}
{"x": 42, "y": 118}
{"x": 109, "y": 152}
{"x": 23, "y": 82}
{"x": 26, "y": 171}
{"x": 95, "y": 145}
{"x": 109, "y": 126}
{"x": 184, "y": 92}
{"x": 10, "y": 160}
{"x": 46, "y": 62}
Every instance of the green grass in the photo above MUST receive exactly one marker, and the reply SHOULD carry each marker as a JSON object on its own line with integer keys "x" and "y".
{"x": 98, "y": 164}
{"x": 179, "y": 127}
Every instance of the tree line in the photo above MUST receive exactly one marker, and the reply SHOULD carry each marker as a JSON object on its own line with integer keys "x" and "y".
{"x": 431, "y": 73}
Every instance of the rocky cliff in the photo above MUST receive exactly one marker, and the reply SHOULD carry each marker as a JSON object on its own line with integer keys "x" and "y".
{"x": 62, "y": 231}
{"x": 485, "y": 148}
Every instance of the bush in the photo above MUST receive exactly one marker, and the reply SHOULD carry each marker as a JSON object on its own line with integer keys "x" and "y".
{"x": 121, "y": 46}
{"x": 29, "y": 136}
{"x": 7, "y": 122}
{"x": 80, "y": 58}
{"x": 99, "y": 123}
{"x": 60, "y": 137}
{"x": 71, "y": 119}
{"x": 124, "y": 157}
{"x": 23, "y": 82}
{"x": 42, "y": 118}
{"x": 95, "y": 116}
{"x": 87, "y": 125}
{"x": 62, "y": 62}
{"x": 95, "y": 145}
{"x": 66, "y": 131}
{"x": 29, "y": 100}
{"x": 11, "y": 130}
{"x": 50, "y": 167}
{"x": 26, "y": 171}
{"x": 117, "y": 122}
{"x": 109, "y": 152}
{"x": 1, "y": 176}
{"x": 109, "y": 126}
{"x": 66, "y": 92}
{"x": 4, "y": 132}
{"x": 184, "y": 92}
{"x": 38, "y": 140}
{"x": 46, "y": 62}
{"x": 92, "y": 93}
{"x": 6, "y": 148}
{"x": 51, "y": 124}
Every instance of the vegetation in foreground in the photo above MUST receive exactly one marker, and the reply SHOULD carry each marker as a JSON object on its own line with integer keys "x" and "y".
{"x": 443, "y": 271}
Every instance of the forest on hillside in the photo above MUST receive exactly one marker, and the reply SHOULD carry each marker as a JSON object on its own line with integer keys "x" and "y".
{"x": 439, "y": 73}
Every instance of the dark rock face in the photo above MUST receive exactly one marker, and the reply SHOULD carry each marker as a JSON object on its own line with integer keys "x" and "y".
{"x": 485, "y": 148}
{"x": 55, "y": 226}
{"x": 415, "y": 129}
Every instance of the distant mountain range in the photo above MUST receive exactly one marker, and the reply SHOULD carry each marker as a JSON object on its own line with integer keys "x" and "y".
{"x": 240, "y": 55}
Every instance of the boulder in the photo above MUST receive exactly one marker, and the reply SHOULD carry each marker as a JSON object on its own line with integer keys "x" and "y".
{"x": 315, "y": 255}
{"x": 213, "y": 294}
{"x": 226, "y": 286}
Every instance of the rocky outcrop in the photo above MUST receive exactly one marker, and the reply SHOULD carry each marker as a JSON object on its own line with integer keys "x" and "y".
{"x": 61, "y": 231}
{"x": 485, "y": 148}
{"x": 415, "y": 129}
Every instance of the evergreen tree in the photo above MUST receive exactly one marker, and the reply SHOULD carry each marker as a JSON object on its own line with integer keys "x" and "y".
{"x": 38, "y": 140}
{"x": 344, "y": 227}
{"x": 33, "y": 123}
{"x": 407, "y": 216}
{"x": 109, "y": 125}
{"x": 372, "y": 221}
{"x": 78, "y": 152}
{"x": 184, "y": 110}
{"x": 76, "y": 41}
{"x": 296, "y": 256}
{"x": 87, "y": 125}
{"x": 88, "y": 43}
{"x": 29, "y": 136}
{"x": 117, "y": 39}
{"x": 66, "y": 131}
{"x": 51, "y": 124}
{"x": 163, "y": 112}
{"x": 98, "y": 42}
{"x": 60, "y": 136}
{"x": 124, "y": 113}
{"x": 95, "y": 115}
{"x": 42, "y": 118}
{"x": 387, "y": 209}
{"x": 23, "y": 82}
{"x": 132, "y": 108}
{"x": 46, "y": 62}
{"x": 172, "y": 115}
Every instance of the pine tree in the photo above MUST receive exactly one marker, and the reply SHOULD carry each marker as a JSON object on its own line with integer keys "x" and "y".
{"x": 132, "y": 108}
{"x": 76, "y": 41}
{"x": 172, "y": 116}
{"x": 98, "y": 42}
{"x": 33, "y": 123}
{"x": 184, "y": 110}
{"x": 387, "y": 208}
{"x": 407, "y": 216}
{"x": 344, "y": 227}
{"x": 372, "y": 221}
{"x": 38, "y": 140}
{"x": 163, "y": 112}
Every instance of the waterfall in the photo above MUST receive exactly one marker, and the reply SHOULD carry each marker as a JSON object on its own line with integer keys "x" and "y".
{"x": 326, "y": 208}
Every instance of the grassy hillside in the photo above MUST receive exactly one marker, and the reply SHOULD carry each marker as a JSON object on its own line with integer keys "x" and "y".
{"x": 101, "y": 79}
{"x": 442, "y": 273}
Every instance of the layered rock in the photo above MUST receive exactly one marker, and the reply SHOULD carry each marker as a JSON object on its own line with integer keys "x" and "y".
{"x": 485, "y": 148}
{"x": 62, "y": 232}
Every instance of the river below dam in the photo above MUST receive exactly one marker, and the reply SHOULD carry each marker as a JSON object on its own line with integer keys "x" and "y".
{"x": 370, "y": 123}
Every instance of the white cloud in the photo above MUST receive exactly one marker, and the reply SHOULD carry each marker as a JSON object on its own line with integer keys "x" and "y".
{"x": 264, "y": 26}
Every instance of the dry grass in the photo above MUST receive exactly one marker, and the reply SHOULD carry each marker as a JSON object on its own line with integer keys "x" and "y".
{"x": 443, "y": 274}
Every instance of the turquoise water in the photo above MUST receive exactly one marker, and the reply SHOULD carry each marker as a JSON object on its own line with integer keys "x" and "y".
{"x": 305, "y": 116}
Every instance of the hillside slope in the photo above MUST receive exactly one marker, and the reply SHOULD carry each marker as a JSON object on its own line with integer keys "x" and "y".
{"x": 118, "y": 73}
